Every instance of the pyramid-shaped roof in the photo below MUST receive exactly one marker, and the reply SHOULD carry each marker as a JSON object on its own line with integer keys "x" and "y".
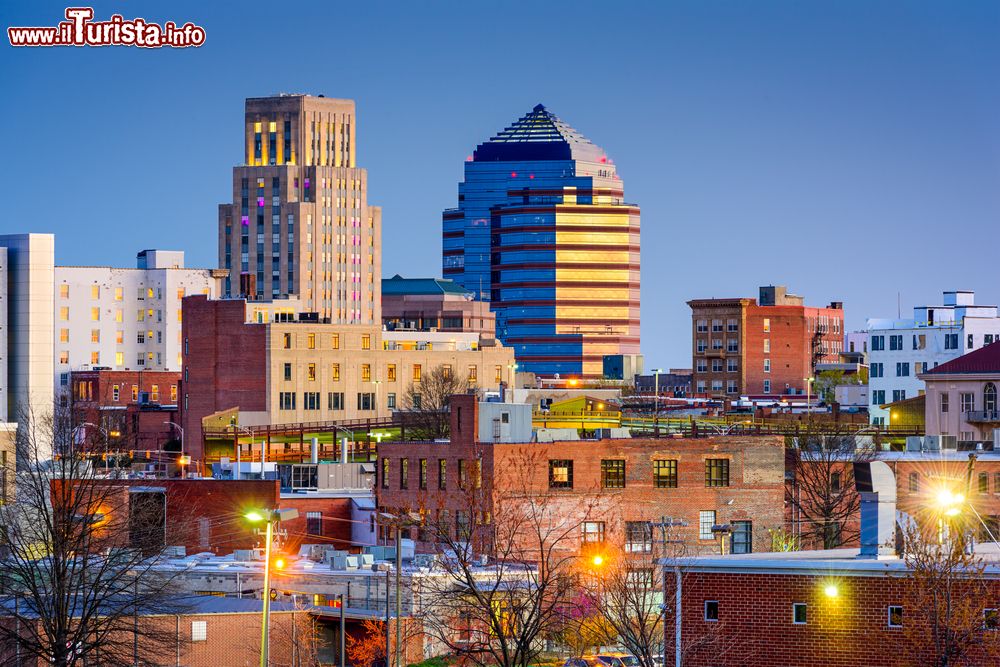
{"x": 538, "y": 135}
{"x": 984, "y": 360}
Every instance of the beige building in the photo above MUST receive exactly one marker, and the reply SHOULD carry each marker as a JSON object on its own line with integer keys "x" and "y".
{"x": 299, "y": 222}
{"x": 277, "y": 366}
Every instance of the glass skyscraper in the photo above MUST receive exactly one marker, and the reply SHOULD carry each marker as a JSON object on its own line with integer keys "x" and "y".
{"x": 542, "y": 231}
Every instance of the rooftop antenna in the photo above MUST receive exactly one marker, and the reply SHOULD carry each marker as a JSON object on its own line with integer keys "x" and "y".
{"x": 899, "y": 312}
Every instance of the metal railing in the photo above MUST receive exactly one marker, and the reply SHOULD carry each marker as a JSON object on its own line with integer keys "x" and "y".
{"x": 972, "y": 416}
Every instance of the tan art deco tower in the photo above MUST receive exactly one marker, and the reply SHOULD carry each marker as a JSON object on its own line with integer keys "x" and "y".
{"x": 299, "y": 223}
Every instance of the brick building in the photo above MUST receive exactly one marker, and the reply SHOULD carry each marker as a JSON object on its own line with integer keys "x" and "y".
{"x": 287, "y": 368}
{"x": 205, "y": 515}
{"x": 625, "y": 485}
{"x": 765, "y": 347}
{"x": 211, "y": 631}
{"x": 807, "y": 608}
{"x": 125, "y": 410}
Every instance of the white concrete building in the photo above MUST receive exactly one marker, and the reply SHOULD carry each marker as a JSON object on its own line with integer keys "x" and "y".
{"x": 123, "y": 319}
{"x": 26, "y": 269}
{"x": 898, "y": 349}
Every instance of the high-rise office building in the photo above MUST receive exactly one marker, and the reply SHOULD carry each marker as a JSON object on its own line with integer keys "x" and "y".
{"x": 543, "y": 232}
{"x": 299, "y": 223}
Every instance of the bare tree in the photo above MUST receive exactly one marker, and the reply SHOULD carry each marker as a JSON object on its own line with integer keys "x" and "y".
{"x": 819, "y": 494}
{"x": 78, "y": 561}
{"x": 946, "y": 622}
{"x": 426, "y": 403}
{"x": 506, "y": 568}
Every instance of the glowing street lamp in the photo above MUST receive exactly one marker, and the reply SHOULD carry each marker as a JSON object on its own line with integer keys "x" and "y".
{"x": 269, "y": 517}
{"x": 831, "y": 591}
{"x": 597, "y": 560}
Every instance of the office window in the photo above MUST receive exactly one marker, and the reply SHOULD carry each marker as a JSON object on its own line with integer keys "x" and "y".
{"x": 390, "y": 401}
{"x": 286, "y": 400}
{"x": 154, "y": 393}
{"x": 135, "y": 393}
{"x": 878, "y": 397}
{"x": 473, "y": 373}
{"x": 716, "y": 326}
{"x": 560, "y": 474}
{"x": 335, "y": 341}
{"x": 914, "y": 482}
{"x": 95, "y": 358}
{"x": 173, "y": 393}
{"x": 314, "y": 523}
{"x": 95, "y": 336}
{"x": 731, "y": 387}
{"x": 199, "y": 631}
{"x": 716, "y": 365}
{"x": 593, "y": 532}
{"x": 638, "y": 536}
{"x": 969, "y": 343}
{"x": 919, "y": 341}
{"x": 416, "y": 372}
{"x": 366, "y": 341}
{"x": 711, "y": 610}
{"x": 335, "y": 372}
{"x": 442, "y": 474}
{"x": 423, "y": 473}
{"x": 64, "y": 313}
{"x": 902, "y": 369}
{"x": 287, "y": 372}
{"x": 702, "y": 345}
{"x": 896, "y": 342}
{"x": 895, "y": 616}
{"x": 706, "y": 519}
{"x": 767, "y": 386}
{"x": 799, "y": 613}
{"x": 385, "y": 473}
{"x": 876, "y": 370}
{"x": 335, "y": 400}
{"x": 613, "y": 473}
{"x": 984, "y": 483}
{"x": 951, "y": 341}
{"x": 498, "y": 374}
{"x": 446, "y": 371}
{"x": 767, "y": 346}
{"x": 310, "y": 400}
{"x": 732, "y": 326}
{"x": 701, "y": 326}
{"x": 115, "y": 393}
{"x": 898, "y": 395}
{"x": 767, "y": 365}
{"x": 665, "y": 473}
{"x": 732, "y": 365}
{"x": 717, "y": 472}
{"x": 287, "y": 341}
{"x": 366, "y": 373}
{"x": 878, "y": 343}
{"x": 968, "y": 400}
{"x": 119, "y": 337}
{"x": 767, "y": 325}
{"x": 64, "y": 291}
{"x": 390, "y": 373}
{"x": 311, "y": 341}
{"x": 732, "y": 345}
{"x": 366, "y": 401}
{"x": 404, "y": 473}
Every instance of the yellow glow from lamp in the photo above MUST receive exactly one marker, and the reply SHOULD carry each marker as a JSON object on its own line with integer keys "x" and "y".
{"x": 256, "y": 517}
{"x": 597, "y": 560}
{"x": 279, "y": 563}
{"x": 831, "y": 591}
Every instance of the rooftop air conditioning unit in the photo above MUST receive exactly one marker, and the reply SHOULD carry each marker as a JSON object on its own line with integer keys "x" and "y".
{"x": 949, "y": 442}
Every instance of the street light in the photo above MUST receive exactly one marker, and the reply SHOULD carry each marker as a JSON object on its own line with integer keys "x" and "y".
{"x": 809, "y": 383}
{"x": 656, "y": 391}
{"x": 183, "y": 460}
{"x": 269, "y": 517}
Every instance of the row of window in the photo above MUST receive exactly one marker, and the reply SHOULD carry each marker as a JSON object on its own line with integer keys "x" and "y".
{"x": 143, "y": 292}
{"x": 141, "y": 358}
{"x": 311, "y": 400}
{"x": 464, "y": 468}
{"x": 732, "y": 326}
{"x": 365, "y": 372}
{"x": 732, "y": 386}
{"x": 613, "y": 473}
{"x": 877, "y": 369}
{"x": 732, "y": 365}
{"x": 967, "y": 399}
{"x": 141, "y": 315}
{"x": 800, "y": 614}
{"x": 732, "y": 345}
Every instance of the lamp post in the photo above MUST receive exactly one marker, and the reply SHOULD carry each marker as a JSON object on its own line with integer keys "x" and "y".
{"x": 183, "y": 461}
{"x": 511, "y": 374}
{"x": 375, "y": 396}
{"x": 656, "y": 392}
{"x": 269, "y": 517}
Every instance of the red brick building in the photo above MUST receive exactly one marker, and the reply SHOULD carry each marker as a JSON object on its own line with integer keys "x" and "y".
{"x": 765, "y": 347}
{"x": 206, "y": 515}
{"x": 807, "y": 609}
{"x": 131, "y": 409}
{"x": 622, "y": 485}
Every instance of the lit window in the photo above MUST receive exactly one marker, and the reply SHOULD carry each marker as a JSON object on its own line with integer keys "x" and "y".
{"x": 366, "y": 342}
{"x": 560, "y": 474}
{"x": 64, "y": 291}
{"x": 199, "y": 631}
{"x": 895, "y": 616}
{"x": 335, "y": 342}
{"x": 155, "y": 393}
{"x": 64, "y": 335}
{"x": 95, "y": 358}
{"x": 311, "y": 372}
{"x": 416, "y": 372}
{"x": 767, "y": 325}
{"x": 336, "y": 372}
{"x": 64, "y": 313}
{"x": 119, "y": 359}
{"x": 391, "y": 372}
{"x": 311, "y": 341}
{"x": 118, "y": 294}
{"x": 366, "y": 373}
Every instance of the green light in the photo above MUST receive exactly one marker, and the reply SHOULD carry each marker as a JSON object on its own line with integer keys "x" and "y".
{"x": 253, "y": 516}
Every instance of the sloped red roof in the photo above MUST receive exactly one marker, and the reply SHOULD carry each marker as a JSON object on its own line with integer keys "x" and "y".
{"x": 984, "y": 360}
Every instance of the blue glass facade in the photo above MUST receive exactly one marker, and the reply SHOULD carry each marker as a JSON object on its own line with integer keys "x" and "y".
{"x": 537, "y": 208}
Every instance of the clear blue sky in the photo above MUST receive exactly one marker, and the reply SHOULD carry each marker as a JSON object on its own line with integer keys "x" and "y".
{"x": 848, "y": 149}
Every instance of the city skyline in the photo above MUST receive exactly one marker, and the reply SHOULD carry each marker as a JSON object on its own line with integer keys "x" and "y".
{"x": 868, "y": 148}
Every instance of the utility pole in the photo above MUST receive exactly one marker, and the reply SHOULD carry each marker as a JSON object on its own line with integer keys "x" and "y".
{"x": 388, "y": 629}
{"x": 399, "y": 607}
{"x": 665, "y": 523}
{"x": 343, "y": 627}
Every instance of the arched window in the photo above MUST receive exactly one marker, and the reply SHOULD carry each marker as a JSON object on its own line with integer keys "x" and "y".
{"x": 990, "y": 397}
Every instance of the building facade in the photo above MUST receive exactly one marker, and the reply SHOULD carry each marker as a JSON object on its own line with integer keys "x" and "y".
{"x": 543, "y": 232}
{"x": 430, "y": 304}
{"x": 124, "y": 319}
{"x": 961, "y": 399}
{"x": 27, "y": 264}
{"x": 616, "y": 488}
{"x": 287, "y": 371}
{"x": 761, "y": 348}
{"x": 299, "y": 222}
{"x": 900, "y": 350}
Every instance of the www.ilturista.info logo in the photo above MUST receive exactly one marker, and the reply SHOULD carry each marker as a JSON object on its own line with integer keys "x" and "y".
{"x": 81, "y": 30}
